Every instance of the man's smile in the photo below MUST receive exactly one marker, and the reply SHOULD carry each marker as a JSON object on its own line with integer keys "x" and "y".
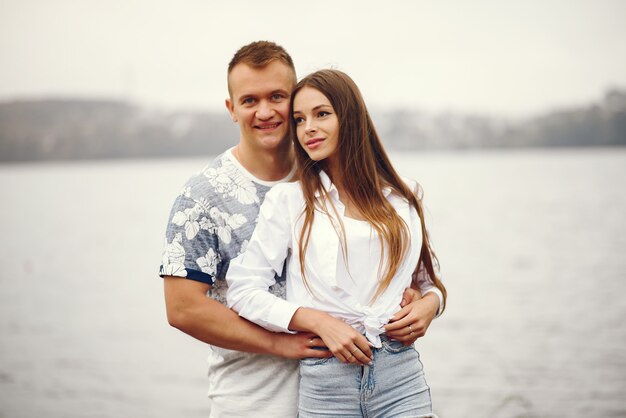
{"x": 268, "y": 126}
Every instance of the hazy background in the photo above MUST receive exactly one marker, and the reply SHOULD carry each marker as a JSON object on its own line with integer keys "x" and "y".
{"x": 498, "y": 57}
{"x": 512, "y": 115}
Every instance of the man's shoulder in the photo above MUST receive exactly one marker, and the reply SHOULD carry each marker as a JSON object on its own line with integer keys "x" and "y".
{"x": 222, "y": 180}
{"x": 200, "y": 178}
{"x": 209, "y": 221}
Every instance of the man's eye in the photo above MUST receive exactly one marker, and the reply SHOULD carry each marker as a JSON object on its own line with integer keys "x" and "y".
{"x": 277, "y": 97}
{"x": 248, "y": 100}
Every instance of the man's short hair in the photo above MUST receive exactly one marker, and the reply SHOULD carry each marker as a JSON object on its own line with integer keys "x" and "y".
{"x": 259, "y": 54}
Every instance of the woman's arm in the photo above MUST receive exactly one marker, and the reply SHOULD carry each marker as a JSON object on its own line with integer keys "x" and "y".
{"x": 251, "y": 274}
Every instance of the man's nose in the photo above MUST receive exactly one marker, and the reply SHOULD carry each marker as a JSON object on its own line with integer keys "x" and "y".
{"x": 265, "y": 111}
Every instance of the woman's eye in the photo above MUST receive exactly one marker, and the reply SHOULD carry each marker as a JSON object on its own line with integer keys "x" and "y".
{"x": 323, "y": 113}
{"x": 298, "y": 121}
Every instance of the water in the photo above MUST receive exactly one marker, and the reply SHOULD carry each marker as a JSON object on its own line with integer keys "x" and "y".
{"x": 532, "y": 245}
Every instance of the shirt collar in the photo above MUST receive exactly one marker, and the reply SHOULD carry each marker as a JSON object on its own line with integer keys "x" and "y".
{"x": 328, "y": 185}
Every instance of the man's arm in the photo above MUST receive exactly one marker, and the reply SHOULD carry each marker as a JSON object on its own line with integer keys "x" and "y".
{"x": 192, "y": 312}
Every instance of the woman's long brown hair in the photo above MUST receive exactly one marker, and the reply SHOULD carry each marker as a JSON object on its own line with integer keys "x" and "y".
{"x": 366, "y": 170}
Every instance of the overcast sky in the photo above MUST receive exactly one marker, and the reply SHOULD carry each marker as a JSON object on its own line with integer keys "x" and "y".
{"x": 510, "y": 58}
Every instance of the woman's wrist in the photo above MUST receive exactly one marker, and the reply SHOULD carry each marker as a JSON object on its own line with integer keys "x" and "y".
{"x": 433, "y": 303}
{"x": 307, "y": 319}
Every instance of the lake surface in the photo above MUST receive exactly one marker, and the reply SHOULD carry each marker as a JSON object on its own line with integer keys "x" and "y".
{"x": 533, "y": 252}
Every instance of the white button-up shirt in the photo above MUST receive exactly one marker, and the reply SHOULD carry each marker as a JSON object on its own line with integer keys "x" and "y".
{"x": 341, "y": 286}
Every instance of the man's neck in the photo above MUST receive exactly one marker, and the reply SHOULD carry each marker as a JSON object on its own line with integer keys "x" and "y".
{"x": 267, "y": 165}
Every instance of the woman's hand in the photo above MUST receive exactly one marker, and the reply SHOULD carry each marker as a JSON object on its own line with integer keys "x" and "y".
{"x": 412, "y": 321}
{"x": 345, "y": 342}
{"x": 348, "y": 345}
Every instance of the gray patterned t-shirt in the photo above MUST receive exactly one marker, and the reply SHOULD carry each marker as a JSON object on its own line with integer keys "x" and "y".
{"x": 211, "y": 222}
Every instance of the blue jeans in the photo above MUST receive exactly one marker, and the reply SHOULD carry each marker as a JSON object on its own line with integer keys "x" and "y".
{"x": 394, "y": 386}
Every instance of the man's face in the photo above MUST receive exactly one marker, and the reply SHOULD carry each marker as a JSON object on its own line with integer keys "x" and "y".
{"x": 259, "y": 103}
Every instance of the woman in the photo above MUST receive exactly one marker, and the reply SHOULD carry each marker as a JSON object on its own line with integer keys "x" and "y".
{"x": 352, "y": 234}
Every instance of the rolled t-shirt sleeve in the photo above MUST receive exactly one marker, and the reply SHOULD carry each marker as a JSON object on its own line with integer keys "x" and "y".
{"x": 191, "y": 250}
{"x": 252, "y": 273}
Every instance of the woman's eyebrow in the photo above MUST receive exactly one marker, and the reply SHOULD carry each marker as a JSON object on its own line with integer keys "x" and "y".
{"x": 315, "y": 108}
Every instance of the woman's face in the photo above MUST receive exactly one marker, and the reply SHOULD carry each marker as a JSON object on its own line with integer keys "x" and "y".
{"x": 317, "y": 125}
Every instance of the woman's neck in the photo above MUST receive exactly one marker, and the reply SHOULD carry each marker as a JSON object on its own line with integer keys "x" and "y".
{"x": 335, "y": 175}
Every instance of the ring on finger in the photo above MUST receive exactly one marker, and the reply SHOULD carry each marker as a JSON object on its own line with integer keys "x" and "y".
{"x": 311, "y": 342}
{"x": 352, "y": 352}
{"x": 410, "y": 330}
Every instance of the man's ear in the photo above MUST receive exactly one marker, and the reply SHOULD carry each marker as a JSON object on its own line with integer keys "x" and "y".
{"x": 231, "y": 110}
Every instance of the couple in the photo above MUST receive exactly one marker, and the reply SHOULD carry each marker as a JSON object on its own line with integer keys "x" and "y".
{"x": 342, "y": 243}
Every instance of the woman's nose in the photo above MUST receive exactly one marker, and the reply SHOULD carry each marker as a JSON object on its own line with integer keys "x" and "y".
{"x": 310, "y": 128}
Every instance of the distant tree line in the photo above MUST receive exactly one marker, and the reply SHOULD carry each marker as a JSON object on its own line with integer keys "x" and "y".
{"x": 92, "y": 129}
{"x": 84, "y": 129}
{"x": 600, "y": 124}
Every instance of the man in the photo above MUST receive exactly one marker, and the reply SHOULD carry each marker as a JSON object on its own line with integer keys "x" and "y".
{"x": 252, "y": 372}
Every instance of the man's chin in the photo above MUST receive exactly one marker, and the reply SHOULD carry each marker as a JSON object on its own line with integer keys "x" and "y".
{"x": 273, "y": 141}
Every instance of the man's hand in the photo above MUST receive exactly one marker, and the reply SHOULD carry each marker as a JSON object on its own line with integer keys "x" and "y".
{"x": 300, "y": 345}
{"x": 413, "y": 319}
{"x": 410, "y": 295}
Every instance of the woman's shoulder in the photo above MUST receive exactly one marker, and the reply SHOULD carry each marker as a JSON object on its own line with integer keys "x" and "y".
{"x": 285, "y": 191}
{"x": 288, "y": 187}
{"x": 414, "y": 186}
{"x": 409, "y": 181}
